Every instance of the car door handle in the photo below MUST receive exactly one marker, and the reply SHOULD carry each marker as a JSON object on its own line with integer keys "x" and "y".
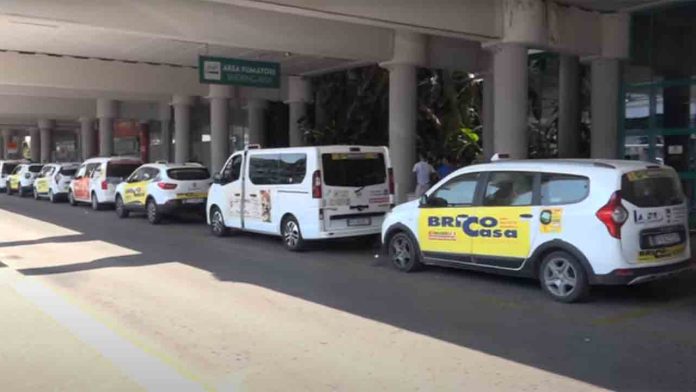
{"x": 253, "y": 195}
{"x": 526, "y": 216}
{"x": 237, "y": 194}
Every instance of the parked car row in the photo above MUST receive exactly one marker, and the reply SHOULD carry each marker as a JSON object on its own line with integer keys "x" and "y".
{"x": 569, "y": 224}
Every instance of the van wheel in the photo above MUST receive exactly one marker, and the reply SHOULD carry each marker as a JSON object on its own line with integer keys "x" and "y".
{"x": 217, "y": 223}
{"x": 563, "y": 277}
{"x": 153, "y": 214}
{"x": 71, "y": 199}
{"x": 292, "y": 236}
{"x": 403, "y": 253}
{"x": 120, "y": 208}
{"x": 96, "y": 205}
{"x": 51, "y": 196}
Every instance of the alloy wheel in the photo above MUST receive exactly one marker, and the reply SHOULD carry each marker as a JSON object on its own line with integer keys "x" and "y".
{"x": 401, "y": 251}
{"x": 560, "y": 277}
{"x": 291, "y": 234}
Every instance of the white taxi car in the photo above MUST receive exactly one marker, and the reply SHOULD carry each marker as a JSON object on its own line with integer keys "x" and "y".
{"x": 21, "y": 180}
{"x": 6, "y": 168}
{"x": 569, "y": 223}
{"x": 163, "y": 188}
{"x": 53, "y": 181}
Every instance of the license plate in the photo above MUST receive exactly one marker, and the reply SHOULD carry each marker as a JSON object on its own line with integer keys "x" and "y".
{"x": 359, "y": 221}
{"x": 193, "y": 201}
{"x": 665, "y": 239}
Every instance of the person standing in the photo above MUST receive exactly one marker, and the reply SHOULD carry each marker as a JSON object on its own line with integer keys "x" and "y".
{"x": 445, "y": 168}
{"x": 423, "y": 170}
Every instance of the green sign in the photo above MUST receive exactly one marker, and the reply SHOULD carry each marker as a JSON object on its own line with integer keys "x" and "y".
{"x": 221, "y": 70}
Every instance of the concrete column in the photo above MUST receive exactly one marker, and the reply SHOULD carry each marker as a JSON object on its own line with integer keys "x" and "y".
{"x": 87, "y": 139}
{"x": 604, "y": 106}
{"x": 487, "y": 110}
{"x": 510, "y": 100}
{"x": 299, "y": 94}
{"x": 409, "y": 53}
{"x": 165, "y": 118}
{"x": 107, "y": 111}
{"x": 568, "y": 106}
{"x": 35, "y": 144}
{"x": 6, "y": 136}
{"x": 182, "y": 127}
{"x": 45, "y": 128}
{"x": 219, "y": 130}
{"x": 256, "y": 110}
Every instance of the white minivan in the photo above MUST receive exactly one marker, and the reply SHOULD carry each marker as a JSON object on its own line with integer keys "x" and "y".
{"x": 96, "y": 180}
{"x": 568, "y": 223}
{"x": 303, "y": 193}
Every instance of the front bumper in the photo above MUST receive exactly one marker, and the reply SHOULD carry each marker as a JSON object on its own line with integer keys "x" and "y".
{"x": 631, "y": 276}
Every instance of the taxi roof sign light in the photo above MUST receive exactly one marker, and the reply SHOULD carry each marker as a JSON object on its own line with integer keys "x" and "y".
{"x": 499, "y": 157}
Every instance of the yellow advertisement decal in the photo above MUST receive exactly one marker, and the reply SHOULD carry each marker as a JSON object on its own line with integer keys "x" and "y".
{"x": 650, "y": 255}
{"x": 551, "y": 221}
{"x": 440, "y": 230}
{"x": 41, "y": 185}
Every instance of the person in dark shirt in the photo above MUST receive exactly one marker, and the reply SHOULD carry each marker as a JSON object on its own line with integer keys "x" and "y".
{"x": 445, "y": 168}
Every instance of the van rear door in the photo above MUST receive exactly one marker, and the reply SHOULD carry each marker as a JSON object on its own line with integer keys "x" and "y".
{"x": 656, "y": 230}
{"x": 355, "y": 188}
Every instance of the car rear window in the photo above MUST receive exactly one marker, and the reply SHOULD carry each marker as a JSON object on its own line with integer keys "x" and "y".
{"x": 122, "y": 170}
{"x": 8, "y": 167}
{"x": 68, "y": 171}
{"x": 188, "y": 174}
{"x": 354, "y": 169}
{"x": 652, "y": 188}
{"x": 35, "y": 168}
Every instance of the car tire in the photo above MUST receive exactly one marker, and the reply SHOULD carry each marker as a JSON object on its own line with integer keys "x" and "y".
{"x": 71, "y": 199}
{"x": 217, "y": 223}
{"x": 563, "y": 277}
{"x": 96, "y": 205}
{"x": 8, "y": 190}
{"x": 36, "y": 194}
{"x": 154, "y": 216}
{"x": 404, "y": 253}
{"x": 20, "y": 192}
{"x": 51, "y": 196}
{"x": 120, "y": 208}
{"x": 292, "y": 235}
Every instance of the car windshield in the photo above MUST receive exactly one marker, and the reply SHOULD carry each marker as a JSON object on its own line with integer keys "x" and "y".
{"x": 354, "y": 169}
{"x": 8, "y": 168}
{"x": 121, "y": 169}
{"x": 652, "y": 188}
{"x": 35, "y": 168}
{"x": 184, "y": 174}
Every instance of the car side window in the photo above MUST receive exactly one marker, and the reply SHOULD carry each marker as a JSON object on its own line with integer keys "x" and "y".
{"x": 509, "y": 189}
{"x": 46, "y": 171}
{"x": 233, "y": 170}
{"x": 459, "y": 191}
{"x": 563, "y": 188}
{"x": 92, "y": 168}
{"x": 136, "y": 176}
{"x": 148, "y": 173}
{"x": 81, "y": 171}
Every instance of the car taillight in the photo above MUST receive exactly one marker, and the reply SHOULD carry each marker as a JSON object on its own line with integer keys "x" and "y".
{"x": 104, "y": 185}
{"x": 316, "y": 185}
{"x": 166, "y": 186}
{"x": 613, "y": 215}
{"x": 390, "y": 175}
{"x": 27, "y": 175}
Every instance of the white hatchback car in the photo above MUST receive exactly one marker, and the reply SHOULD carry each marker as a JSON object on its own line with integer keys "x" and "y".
{"x": 163, "y": 188}
{"x": 569, "y": 223}
{"x": 54, "y": 180}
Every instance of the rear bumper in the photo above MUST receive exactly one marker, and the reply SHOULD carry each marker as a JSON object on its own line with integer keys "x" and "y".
{"x": 633, "y": 276}
{"x": 174, "y": 206}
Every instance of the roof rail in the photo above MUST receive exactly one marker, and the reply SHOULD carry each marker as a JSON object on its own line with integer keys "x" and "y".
{"x": 604, "y": 165}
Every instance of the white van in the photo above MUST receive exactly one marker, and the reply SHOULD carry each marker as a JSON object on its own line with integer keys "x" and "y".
{"x": 96, "y": 180}
{"x": 303, "y": 193}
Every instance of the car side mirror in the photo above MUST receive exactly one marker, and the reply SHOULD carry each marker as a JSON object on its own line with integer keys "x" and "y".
{"x": 423, "y": 201}
{"x": 217, "y": 179}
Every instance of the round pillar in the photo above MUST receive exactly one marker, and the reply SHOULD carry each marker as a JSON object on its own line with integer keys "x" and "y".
{"x": 219, "y": 129}
{"x": 6, "y": 137}
{"x": 487, "y": 116}
{"x": 604, "y": 106}
{"x": 568, "y": 106}
{"x": 182, "y": 127}
{"x": 165, "y": 119}
{"x": 510, "y": 100}
{"x": 299, "y": 93}
{"x": 87, "y": 137}
{"x": 256, "y": 110}
{"x": 107, "y": 111}
{"x": 35, "y": 144}
{"x": 45, "y": 127}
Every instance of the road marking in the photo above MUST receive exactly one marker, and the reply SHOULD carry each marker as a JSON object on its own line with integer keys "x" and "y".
{"x": 145, "y": 370}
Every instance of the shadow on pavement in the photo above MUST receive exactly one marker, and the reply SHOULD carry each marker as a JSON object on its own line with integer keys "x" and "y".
{"x": 505, "y": 317}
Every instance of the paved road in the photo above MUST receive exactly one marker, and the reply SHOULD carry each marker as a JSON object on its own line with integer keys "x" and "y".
{"x": 337, "y": 309}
